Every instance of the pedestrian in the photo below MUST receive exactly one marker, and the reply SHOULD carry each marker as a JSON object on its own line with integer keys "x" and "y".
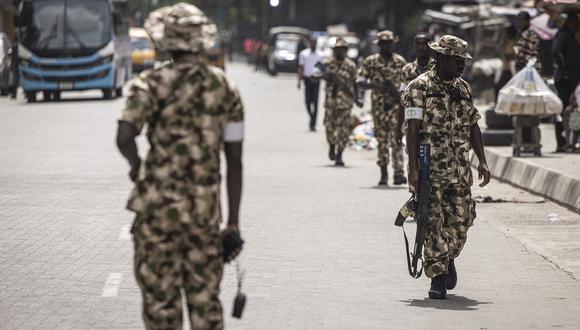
{"x": 192, "y": 111}
{"x": 566, "y": 54}
{"x": 439, "y": 112}
{"x": 528, "y": 45}
{"x": 382, "y": 73}
{"x": 340, "y": 77}
{"x": 310, "y": 74}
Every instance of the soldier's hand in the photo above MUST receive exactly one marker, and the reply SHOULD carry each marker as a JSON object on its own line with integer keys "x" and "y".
{"x": 414, "y": 179}
{"x": 484, "y": 174}
{"x": 234, "y": 253}
{"x": 134, "y": 172}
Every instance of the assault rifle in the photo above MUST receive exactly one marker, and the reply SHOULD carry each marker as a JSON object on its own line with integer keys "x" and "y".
{"x": 419, "y": 206}
{"x": 393, "y": 95}
{"x": 339, "y": 84}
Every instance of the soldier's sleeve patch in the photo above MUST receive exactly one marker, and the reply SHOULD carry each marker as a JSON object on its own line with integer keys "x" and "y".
{"x": 413, "y": 113}
{"x": 234, "y": 132}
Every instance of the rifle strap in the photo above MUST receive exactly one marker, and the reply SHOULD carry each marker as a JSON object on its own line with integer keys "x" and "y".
{"x": 412, "y": 266}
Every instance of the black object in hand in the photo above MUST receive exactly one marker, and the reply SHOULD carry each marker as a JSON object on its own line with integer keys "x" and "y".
{"x": 232, "y": 241}
{"x": 239, "y": 304}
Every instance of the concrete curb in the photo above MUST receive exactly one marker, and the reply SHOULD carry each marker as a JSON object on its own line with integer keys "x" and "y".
{"x": 524, "y": 174}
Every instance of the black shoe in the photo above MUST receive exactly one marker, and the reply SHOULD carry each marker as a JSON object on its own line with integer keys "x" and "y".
{"x": 384, "y": 176}
{"x": 451, "y": 275}
{"x": 332, "y": 153}
{"x": 339, "y": 162}
{"x": 399, "y": 180}
{"x": 438, "y": 289}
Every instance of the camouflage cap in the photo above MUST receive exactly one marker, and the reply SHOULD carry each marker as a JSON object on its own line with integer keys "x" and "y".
{"x": 387, "y": 35}
{"x": 340, "y": 43}
{"x": 451, "y": 45}
{"x": 181, "y": 27}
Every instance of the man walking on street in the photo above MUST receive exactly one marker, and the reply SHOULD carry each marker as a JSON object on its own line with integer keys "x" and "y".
{"x": 340, "y": 76}
{"x": 528, "y": 44}
{"x": 382, "y": 74}
{"x": 307, "y": 72}
{"x": 566, "y": 54}
{"x": 440, "y": 113}
{"x": 192, "y": 111}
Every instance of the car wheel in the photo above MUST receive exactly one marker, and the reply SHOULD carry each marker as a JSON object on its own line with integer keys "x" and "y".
{"x": 108, "y": 93}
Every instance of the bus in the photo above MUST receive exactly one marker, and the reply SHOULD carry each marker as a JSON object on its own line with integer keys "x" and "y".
{"x": 73, "y": 45}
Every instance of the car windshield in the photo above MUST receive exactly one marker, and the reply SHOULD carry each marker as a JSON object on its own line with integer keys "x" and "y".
{"x": 140, "y": 43}
{"x": 288, "y": 44}
{"x": 57, "y": 25}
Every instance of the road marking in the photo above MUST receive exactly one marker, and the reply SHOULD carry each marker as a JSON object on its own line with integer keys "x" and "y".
{"x": 125, "y": 233}
{"x": 111, "y": 288}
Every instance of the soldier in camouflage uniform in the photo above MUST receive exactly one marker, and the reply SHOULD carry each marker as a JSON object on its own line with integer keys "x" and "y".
{"x": 340, "y": 77}
{"x": 192, "y": 111}
{"x": 382, "y": 74}
{"x": 423, "y": 63}
{"x": 528, "y": 45}
{"x": 439, "y": 111}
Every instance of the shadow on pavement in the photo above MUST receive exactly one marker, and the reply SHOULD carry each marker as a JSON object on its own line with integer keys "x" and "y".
{"x": 453, "y": 302}
{"x": 385, "y": 188}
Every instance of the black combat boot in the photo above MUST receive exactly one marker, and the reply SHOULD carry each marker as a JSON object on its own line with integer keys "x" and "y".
{"x": 438, "y": 287}
{"x": 451, "y": 275}
{"x": 332, "y": 152}
{"x": 399, "y": 180}
{"x": 339, "y": 161}
{"x": 384, "y": 176}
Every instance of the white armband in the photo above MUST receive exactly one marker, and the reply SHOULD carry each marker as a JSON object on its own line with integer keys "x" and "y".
{"x": 234, "y": 132}
{"x": 413, "y": 113}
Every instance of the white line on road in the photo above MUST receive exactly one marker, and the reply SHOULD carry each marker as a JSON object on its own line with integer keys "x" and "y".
{"x": 125, "y": 233}
{"x": 111, "y": 288}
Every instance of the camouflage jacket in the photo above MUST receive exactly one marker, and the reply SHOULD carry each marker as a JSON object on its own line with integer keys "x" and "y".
{"x": 187, "y": 106}
{"x": 448, "y": 114}
{"x": 376, "y": 70}
{"x": 345, "y": 72}
{"x": 413, "y": 70}
{"x": 528, "y": 47}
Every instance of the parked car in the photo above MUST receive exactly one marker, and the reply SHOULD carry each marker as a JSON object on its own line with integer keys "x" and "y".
{"x": 6, "y": 73}
{"x": 284, "y": 44}
{"x": 143, "y": 54}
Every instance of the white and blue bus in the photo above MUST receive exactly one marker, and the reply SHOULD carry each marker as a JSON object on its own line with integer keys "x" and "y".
{"x": 73, "y": 45}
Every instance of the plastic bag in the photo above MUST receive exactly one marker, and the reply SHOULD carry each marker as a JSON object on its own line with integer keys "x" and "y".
{"x": 527, "y": 94}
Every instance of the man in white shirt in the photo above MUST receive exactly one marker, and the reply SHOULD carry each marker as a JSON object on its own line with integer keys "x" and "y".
{"x": 308, "y": 72}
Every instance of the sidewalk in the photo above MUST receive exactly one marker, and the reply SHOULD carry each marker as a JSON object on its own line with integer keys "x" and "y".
{"x": 555, "y": 176}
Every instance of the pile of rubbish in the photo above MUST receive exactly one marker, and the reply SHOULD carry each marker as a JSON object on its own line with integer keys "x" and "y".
{"x": 363, "y": 135}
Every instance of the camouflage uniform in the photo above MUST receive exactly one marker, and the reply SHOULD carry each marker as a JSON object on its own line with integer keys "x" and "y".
{"x": 446, "y": 124}
{"x": 189, "y": 108}
{"x": 413, "y": 70}
{"x": 376, "y": 70}
{"x": 338, "y": 103}
{"x": 527, "y": 48}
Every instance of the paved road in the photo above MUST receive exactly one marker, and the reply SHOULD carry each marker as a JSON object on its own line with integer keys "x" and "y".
{"x": 321, "y": 252}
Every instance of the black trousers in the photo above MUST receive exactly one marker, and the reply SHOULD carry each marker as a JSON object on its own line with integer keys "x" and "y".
{"x": 311, "y": 92}
{"x": 565, "y": 89}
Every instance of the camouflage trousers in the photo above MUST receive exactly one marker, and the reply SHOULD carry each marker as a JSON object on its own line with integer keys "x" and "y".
{"x": 389, "y": 148}
{"x": 174, "y": 259}
{"x": 338, "y": 123}
{"x": 451, "y": 213}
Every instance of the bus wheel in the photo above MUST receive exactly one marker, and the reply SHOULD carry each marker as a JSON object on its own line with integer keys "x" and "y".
{"x": 30, "y": 97}
{"x": 108, "y": 93}
{"x": 56, "y": 95}
{"x": 119, "y": 92}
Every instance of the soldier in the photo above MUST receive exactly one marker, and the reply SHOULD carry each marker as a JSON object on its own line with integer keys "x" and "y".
{"x": 340, "y": 76}
{"x": 439, "y": 111}
{"x": 382, "y": 74}
{"x": 528, "y": 45}
{"x": 420, "y": 65}
{"x": 192, "y": 111}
